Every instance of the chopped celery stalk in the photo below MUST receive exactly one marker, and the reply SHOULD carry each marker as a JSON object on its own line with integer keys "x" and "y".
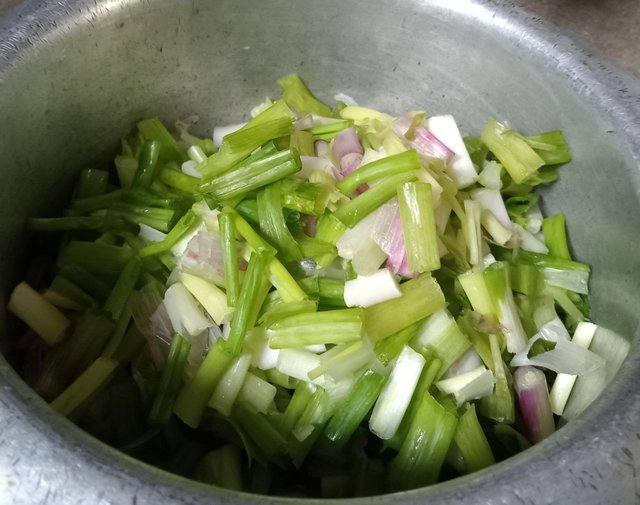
{"x": 260, "y": 431}
{"x": 511, "y": 150}
{"x": 170, "y": 380}
{"x": 298, "y": 97}
{"x": 496, "y": 278}
{"x": 419, "y": 226}
{"x": 551, "y": 147}
{"x": 563, "y": 383}
{"x": 195, "y": 394}
{"x": 329, "y": 131}
{"x": 475, "y": 288}
{"x": 222, "y": 467}
{"x": 472, "y": 443}
{"x": 153, "y": 129}
{"x": 500, "y": 405}
{"x": 226, "y": 392}
{"x": 97, "y": 258}
{"x": 407, "y": 161}
{"x": 72, "y": 223}
{"x": 420, "y": 298}
{"x": 210, "y": 296}
{"x": 329, "y": 229}
{"x": 477, "y": 383}
{"x": 249, "y": 302}
{"x": 147, "y": 164}
{"x": 555, "y": 236}
{"x": 394, "y": 399}
{"x": 329, "y": 327}
{"x": 440, "y": 335}
{"x": 40, "y": 315}
{"x": 123, "y": 287}
{"x": 185, "y": 223}
{"x": 302, "y": 141}
{"x": 257, "y": 393}
{"x": 257, "y": 174}
{"x": 72, "y": 400}
{"x": 178, "y": 180}
{"x": 423, "y": 451}
{"x": 472, "y": 231}
{"x": 533, "y": 403}
{"x": 299, "y": 401}
{"x": 285, "y": 310}
{"x": 368, "y": 290}
{"x": 272, "y": 123}
{"x": 351, "y": 413}
{"x": 273, "y": 225}
{"x": 92, "y": 182}
{"x": 360, "y": 207}
{"x": 389, "y": 348}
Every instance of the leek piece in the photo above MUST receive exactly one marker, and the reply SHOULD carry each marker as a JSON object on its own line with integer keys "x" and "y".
{"x": 360, "y": 207}
{"x": 500, "y": 405}
{"x": 423, "y": 451}
{"x": 394, "y": 399}
{"x": 257, "y": 393}
{"x": 551, "y": 147}
{"x": 419, "y": 226}
{"x": 153, "y": 129}
{"x": 472, "y": 385}
{"x": 331, "y": 292}
{"x": 498, "y": 231}
{"x": 75, "y": 398}
{"x": 184, "y": 312}
{"x": 170, "y": 380}
{"x": 511, "y": 150}
{"x": 476, "y": 290}
{"x": 471, "y": 442}
{"x": 328, "y": 327}
{"x": 226, "y": 392}
{"x": 563, "y": 383}
{"x": 210, "y": 296}
{"x": 368, "y": 290}
{"x": 533, "y": 403}
{"x": 407, "y": 161}
{"x": 555, "y": 236}
{"x": 297, "y": 96}
{"x": 249, "y": 302}
{"x": 182, "y": 227}
{"x": 147, "y": 164}
{"x": 351, "y": 413}
{"x": 222, "y": 467}
{"x": 123, "y": 288}
{"x": 420, "y": 298}
{"x": 429, "y": 373}
{"x": 440, "y": 335}
{"x": 195, "y": 394}
{"x": 40, "y": 315}
{"x": 254, "y": 175}
{"x": 273, "y": 225}
{"x": 472, "y": 232}
{"x": 97, "y": 258}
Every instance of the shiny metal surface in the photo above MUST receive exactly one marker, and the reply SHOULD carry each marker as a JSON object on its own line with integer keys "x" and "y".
{"x": 75, "y": 75}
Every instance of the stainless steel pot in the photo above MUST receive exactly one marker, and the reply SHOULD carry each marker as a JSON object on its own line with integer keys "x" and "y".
{"x": 75, "y": 75}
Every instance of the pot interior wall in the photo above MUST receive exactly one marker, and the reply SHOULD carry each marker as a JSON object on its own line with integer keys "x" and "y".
{"x": 69, "y": 98}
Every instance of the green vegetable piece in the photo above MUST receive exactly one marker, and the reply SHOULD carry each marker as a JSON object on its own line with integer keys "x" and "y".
{"x": 298, "y": 97}
{"x": 153, "y": 129}
{"x": 551, "y": 147}
{"x": 555, "y": 236}
{"x": 123, "y": 288}
{"x": 540, "y": 346}
{"x": 273, "y": 225}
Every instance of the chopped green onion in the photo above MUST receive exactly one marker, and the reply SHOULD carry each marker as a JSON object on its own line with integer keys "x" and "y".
{"x": 273, "y": 225}
{"x": 555, "y": 236}
{"x": 181, "y": 228}
{"x": 147, "y": 164}
{"x": 298, "y": 96}
{"x": 123, "y": 288}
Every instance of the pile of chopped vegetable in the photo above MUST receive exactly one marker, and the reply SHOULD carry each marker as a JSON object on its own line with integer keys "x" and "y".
{"x": 319, "y": 302}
